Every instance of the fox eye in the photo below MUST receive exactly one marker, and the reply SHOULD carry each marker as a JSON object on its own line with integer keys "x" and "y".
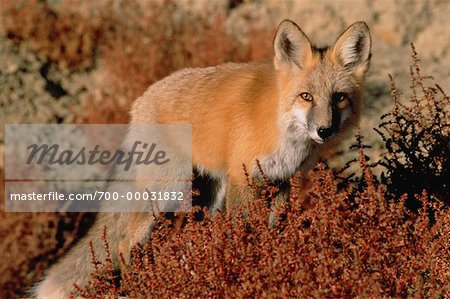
{"x": 339, "y": 97}
{"x": 306, "y": 96}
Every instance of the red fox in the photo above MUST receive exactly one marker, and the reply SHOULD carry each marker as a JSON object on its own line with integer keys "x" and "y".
{"x": 280, "y": 112}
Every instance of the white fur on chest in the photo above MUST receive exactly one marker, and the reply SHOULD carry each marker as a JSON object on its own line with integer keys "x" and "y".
{"x": 295, "y": 147}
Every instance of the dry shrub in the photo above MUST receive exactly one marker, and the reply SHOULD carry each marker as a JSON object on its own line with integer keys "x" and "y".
{"x": 416, "y": 135}
{"x": 363, "y": 245}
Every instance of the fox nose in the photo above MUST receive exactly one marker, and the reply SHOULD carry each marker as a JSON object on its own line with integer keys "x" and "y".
{"x": 324, "y": 132}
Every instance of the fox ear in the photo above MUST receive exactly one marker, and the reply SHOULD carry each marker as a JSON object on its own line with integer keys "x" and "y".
{"x": 291, "y": 46}
{"x": 352, "y": 48}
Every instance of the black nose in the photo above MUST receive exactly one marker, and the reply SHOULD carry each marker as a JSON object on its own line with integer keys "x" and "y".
{"x": 324, "y": 133}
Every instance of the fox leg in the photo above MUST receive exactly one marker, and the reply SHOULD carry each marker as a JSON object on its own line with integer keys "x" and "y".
{"x": 219, "y": 193}
{"x": 282, "y": 197}
{"x": 141, "y": 224}
{"x": 284, "y": 194}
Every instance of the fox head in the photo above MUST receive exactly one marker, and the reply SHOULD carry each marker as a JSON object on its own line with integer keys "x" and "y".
{"x": 320, "y": 88}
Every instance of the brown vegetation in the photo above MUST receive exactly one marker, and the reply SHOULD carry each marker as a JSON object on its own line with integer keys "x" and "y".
{"x": 351, "y": 243}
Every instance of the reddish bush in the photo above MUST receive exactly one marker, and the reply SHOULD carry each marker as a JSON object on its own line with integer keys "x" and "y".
{"x": 369, "y": 246}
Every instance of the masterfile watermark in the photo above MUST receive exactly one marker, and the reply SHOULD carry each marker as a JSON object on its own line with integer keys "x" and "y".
{"x": 96, "y": 156}
{"x": 91, "y": 168}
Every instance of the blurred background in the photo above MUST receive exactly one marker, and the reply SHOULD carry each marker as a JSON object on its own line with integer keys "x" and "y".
{"x": 64, "y": 61}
